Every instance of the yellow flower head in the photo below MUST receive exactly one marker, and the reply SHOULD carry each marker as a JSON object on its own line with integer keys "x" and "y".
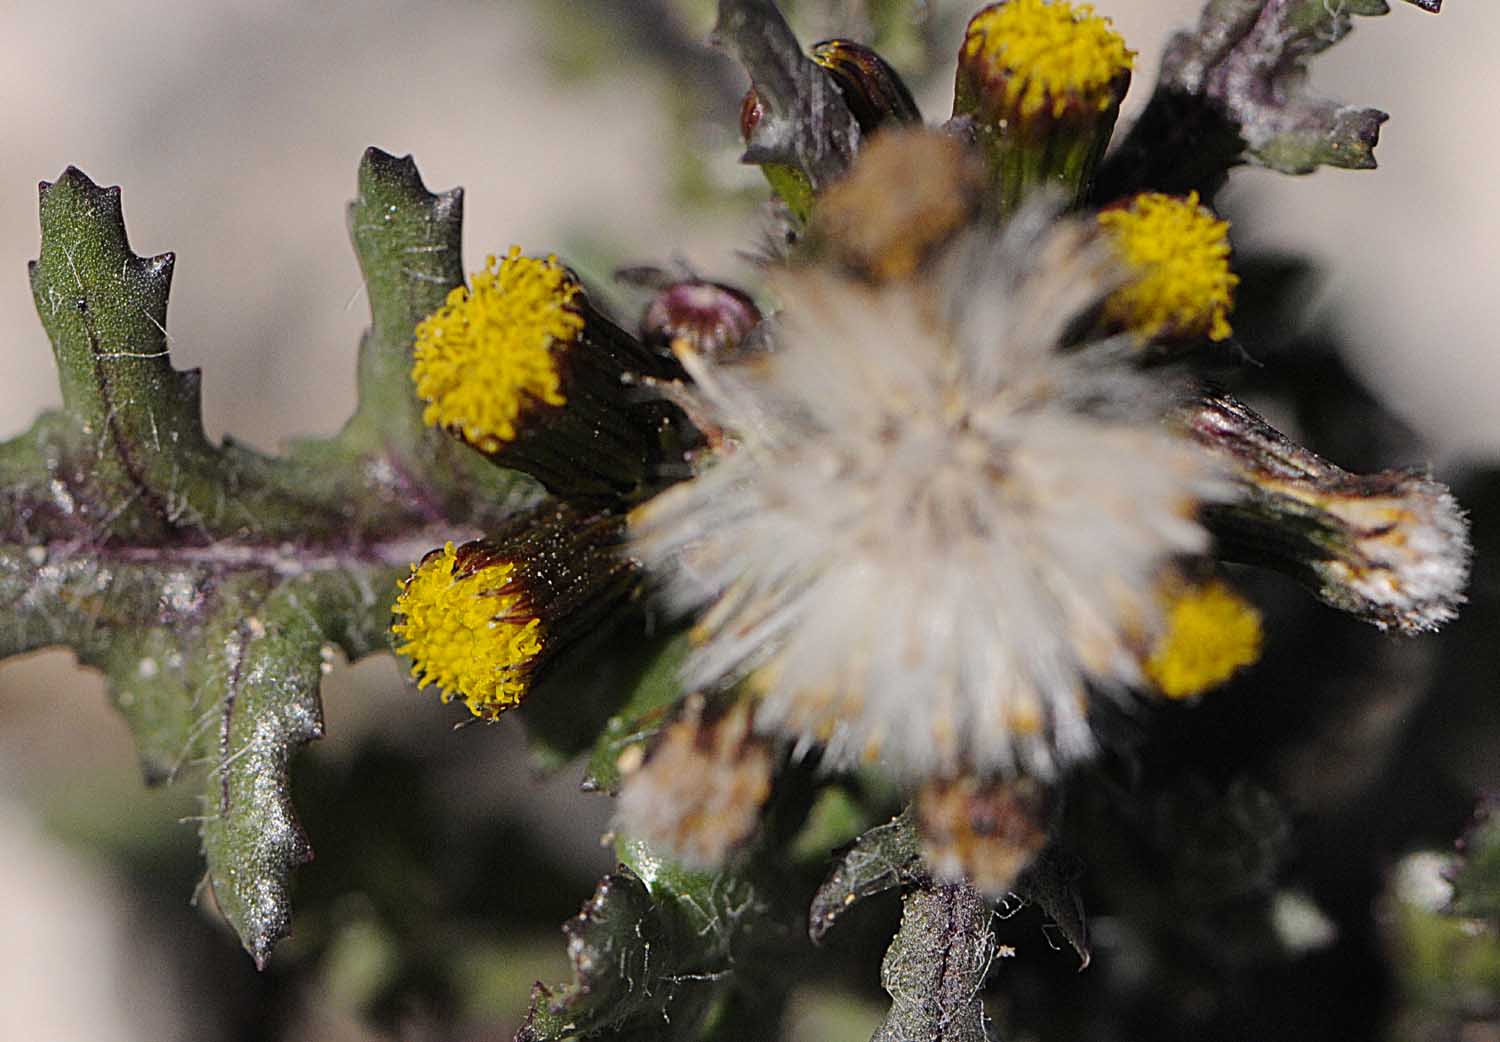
{"x": 494, "y": 347}
{"x": 1176, "y": 253}
{"x": 1047, "y": 55}
{"x": 466, "y": 629}
{"x": 1211, "y": 633}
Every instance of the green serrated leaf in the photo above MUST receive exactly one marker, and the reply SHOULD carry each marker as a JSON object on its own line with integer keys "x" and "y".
{"x": 408, "y": 241}
{"x": 1250, "y": 56}
{"x": 263, "y": 678}
{"x": 1234, "y": 89}
{"x": 1049, "y": 883}
{"x": 127, "y": 459}
{"x": 104, "y": 309}
{"x": 885, "y": 857}
{"x": 274, "y": 651}
{"x": 610, "y": 944}
{"x": 666, "y": 953}
{"x": 209, "y": 583}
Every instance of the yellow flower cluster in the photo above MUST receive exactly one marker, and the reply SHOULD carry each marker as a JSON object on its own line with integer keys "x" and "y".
{"x": 493, "y": 348}
{"x": 467, "y": 633}
{"x": 1048, "y": 54}
{"x": 1211, "y": 633}
{"x": 1177, "y": 254}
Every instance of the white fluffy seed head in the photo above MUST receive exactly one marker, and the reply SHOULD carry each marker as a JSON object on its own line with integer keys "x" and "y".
{"x": 935, "y": 528}
{"x": 1412, "y": 554}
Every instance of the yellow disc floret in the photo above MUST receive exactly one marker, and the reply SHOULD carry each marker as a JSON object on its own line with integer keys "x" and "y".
{"x": 1048, "y": 55}
{"x": 1176, "y": 253}
{"x": 467, "y": 632}
{"x": 494, "y": 347}
{"x": 1211, "y": 632}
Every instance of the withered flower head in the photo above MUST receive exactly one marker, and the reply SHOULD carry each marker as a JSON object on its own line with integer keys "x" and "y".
{"x": 938, "y": 528}
{"x": 698, "y": 793}
{"x": 909, "y": 192}
{"x": 985, "y": 832}
{"x": 1391, "y": 547}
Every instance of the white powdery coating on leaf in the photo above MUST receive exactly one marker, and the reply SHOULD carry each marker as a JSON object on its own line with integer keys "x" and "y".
{"x": 936, "y": 527}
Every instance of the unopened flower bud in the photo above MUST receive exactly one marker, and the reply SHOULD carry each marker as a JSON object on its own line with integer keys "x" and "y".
{"x": 1391, "y": 547}
{"x": 711, "y": 318}
{"x": 874, "y": 92}
{"x": 698, "y": 325}
{"x": 984, "y": 832}
{"x": 480, "y": 621}
{"x": 698, "y": 793}
{"x": 1175, "y": 252}
{"x": 523, "y": 368}
{"x": 1042, "y": 82}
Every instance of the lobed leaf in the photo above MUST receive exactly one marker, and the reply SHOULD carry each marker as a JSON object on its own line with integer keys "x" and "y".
{"x": 886, "y": 856}
{"x": 211, "y": 584}
{"x": 661, "y": 952}
{"x": 1050, "y": 884}
{"x": 1234, "y": 89}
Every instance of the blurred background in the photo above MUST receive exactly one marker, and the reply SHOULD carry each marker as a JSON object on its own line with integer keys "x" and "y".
{"x": 600, "y": 130}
